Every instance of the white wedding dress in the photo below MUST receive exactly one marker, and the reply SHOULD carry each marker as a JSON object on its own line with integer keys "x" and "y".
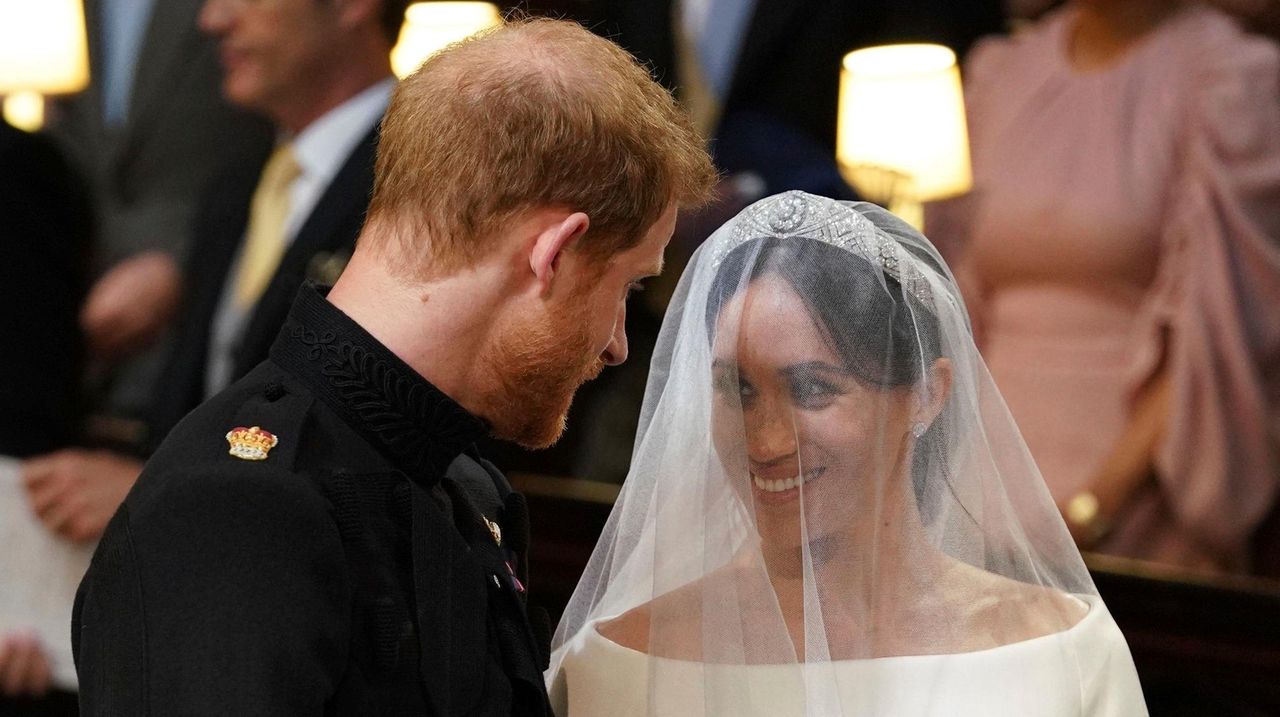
{"x": 1086, "y": 670}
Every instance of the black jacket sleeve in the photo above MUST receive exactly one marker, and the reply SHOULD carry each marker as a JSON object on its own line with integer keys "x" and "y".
{"x": 214, "y": 594}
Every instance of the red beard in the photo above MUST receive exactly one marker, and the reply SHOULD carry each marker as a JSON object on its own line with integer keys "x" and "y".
{"x": 539, "y": 366}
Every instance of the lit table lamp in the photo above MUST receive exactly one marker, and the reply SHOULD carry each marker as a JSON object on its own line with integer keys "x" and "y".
{"x": 430, "y": 26}
{"x": 43, "y": 51}
{"x": 902, "y": 138}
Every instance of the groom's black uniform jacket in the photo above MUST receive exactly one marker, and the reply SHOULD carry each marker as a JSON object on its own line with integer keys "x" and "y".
{"x": 352, "y": 571}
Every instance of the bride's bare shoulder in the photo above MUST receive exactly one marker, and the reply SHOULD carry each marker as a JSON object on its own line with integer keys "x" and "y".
{"x": 630, "y": 629}
{"x": 667, "y": 626}
{"x": 1011, "y": 609}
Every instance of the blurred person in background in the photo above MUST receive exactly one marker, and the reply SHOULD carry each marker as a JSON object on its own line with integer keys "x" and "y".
{"x": 320, "y": 71}
{"x": 149, "y": 133}
{"x": 1260, "y": 16}
{"x": 45, "y": 228}
{"x": 1120, "y": 258}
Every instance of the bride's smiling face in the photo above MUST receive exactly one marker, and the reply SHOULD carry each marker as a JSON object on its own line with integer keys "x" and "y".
{"x": 799, "y": 434}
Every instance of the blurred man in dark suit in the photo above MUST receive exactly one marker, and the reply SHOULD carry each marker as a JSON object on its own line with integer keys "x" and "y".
{"x": 149, "y": 133}
{"x": 320, "y": 71}
{"x": 45, "y": 229}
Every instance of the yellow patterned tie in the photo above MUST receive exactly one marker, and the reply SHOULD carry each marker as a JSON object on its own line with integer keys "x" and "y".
{"x": 265, "y": 242}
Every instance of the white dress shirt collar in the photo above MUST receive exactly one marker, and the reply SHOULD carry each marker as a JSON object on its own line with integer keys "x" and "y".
{"x": 325, "y": 144}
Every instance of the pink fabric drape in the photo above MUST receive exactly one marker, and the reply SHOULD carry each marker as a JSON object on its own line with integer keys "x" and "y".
{"x": 1120, "y": 215}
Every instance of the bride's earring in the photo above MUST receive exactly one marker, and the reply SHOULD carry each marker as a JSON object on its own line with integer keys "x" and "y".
{"x": 918, "y": 428}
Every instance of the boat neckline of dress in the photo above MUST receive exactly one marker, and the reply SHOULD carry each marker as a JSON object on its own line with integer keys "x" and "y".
{"x": 1093, "y": 614}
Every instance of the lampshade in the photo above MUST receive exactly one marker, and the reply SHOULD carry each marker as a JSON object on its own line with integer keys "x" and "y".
{"x": 42, "y": 46}
{"x": 42, "y": 51}
{"x": 902, "y": 132}
{"x": 430, "y": 26}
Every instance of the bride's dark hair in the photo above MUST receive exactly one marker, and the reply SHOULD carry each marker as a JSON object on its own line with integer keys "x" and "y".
{"x": 885, "y": 336}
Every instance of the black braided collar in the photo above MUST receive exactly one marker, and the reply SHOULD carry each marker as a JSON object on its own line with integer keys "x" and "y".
{"x": 419, "y": 427}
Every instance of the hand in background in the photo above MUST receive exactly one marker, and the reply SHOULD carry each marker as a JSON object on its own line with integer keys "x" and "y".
{"x": 24, "y": 670}
{"x": 75, "y": 492}
{"x": 1129, "y": 466}
{"x": 131, "y": 304}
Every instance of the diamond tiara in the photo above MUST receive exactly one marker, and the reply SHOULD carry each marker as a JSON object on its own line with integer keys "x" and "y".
{"x": 796, "y": 214}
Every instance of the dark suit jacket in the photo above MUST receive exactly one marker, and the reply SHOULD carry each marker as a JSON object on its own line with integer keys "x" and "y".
{"x": 348, "y": 572}
{"x": 45, "y": 230}
{"x": 330, "y": 231}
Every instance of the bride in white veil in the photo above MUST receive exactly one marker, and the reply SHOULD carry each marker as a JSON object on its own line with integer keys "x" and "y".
{"x": 829, "y": 509}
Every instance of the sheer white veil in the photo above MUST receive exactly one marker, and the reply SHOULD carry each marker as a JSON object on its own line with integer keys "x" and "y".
{"x": 824, "y": 470}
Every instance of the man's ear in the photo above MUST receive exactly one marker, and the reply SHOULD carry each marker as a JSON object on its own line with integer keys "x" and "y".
{"x": 937, "y": 391}
{"x": 551, "y": 243}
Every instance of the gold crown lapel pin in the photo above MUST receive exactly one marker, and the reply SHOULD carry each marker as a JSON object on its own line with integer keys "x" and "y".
{"x": 251, "y": 444}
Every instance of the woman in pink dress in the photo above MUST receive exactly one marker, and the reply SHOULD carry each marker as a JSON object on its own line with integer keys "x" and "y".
{"x": 1120, "y": 255}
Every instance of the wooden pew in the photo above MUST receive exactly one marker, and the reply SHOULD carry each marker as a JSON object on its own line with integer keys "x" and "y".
{"x": 1204, "y": 645}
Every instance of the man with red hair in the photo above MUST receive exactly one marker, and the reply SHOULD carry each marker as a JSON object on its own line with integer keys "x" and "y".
{"x": 323, "y": 536}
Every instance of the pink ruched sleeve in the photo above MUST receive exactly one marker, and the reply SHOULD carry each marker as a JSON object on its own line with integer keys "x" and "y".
{"x": 1216, "y": 300}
